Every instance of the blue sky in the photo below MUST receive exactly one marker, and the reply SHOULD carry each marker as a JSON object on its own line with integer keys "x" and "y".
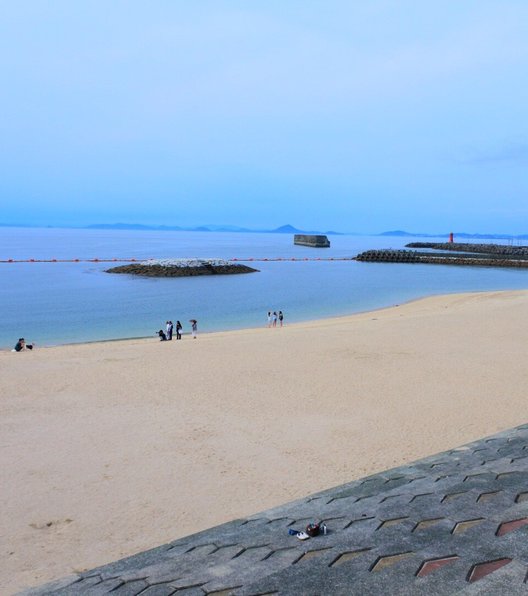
{"x": 355, "y": 116}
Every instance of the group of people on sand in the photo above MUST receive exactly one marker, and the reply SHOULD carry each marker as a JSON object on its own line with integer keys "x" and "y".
{"x": 170, "y": 327}
{"x": 273, "y": 317}
{"x": 22, "y": 346}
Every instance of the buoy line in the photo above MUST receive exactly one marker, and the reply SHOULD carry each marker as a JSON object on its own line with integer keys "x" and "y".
{"x": 233, "y": 260}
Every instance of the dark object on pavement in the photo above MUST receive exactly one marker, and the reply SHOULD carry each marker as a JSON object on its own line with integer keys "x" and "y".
{"x": 312, "y": 530}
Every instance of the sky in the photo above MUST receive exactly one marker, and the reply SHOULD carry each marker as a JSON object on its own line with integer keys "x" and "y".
{"x": 353, "y": 116}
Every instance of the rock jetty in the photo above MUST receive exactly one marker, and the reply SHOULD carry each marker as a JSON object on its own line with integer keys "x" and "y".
{"x": 480, "y": 255}
{"x": 182, "y": 268}
{"x": 313, "y": 240}
{"x": 488, "y": 249}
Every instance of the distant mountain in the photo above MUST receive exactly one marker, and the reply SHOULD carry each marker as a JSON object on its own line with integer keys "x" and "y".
{"x": 488, "y": 236}
{"x": 395, "y": 233}
{"x": 287, "y": 229}
{"x": 124, "y": 226}
{"x": 206, "y": 228}
{"x": 227, "y": 228}
{"x": 403, "y": 234}
{"x": 466, "y": 235}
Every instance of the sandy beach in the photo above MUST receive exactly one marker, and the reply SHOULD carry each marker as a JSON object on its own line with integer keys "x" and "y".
{"x": 107, "y": 449}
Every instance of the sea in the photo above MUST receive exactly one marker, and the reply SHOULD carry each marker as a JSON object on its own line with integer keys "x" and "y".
{"x": 58, "y": 303}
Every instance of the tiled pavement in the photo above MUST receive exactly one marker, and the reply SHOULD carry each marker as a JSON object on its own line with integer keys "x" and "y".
{"x": 453, "y": 523}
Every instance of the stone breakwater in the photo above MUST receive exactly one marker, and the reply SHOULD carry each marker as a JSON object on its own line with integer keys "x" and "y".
{"x": 182, "y": 268}
{"x": 480, "y": 255}
{"x": 488, "y": 249}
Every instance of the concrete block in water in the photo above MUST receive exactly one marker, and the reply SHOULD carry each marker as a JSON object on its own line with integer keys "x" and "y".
{"x": 313, "y": 240}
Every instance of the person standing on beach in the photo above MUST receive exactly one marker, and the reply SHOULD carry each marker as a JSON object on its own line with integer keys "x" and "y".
{"x": 194, "y": 327}
{"x": 281, "y": 317}
{"x": 269, "y": 318}
{"x": 169, "y": 330}
{"x": 274, "y": 318}
{"x": 178, "y": 329}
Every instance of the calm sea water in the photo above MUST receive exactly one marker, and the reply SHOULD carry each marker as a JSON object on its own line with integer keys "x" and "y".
{"x": 55, "y": 303}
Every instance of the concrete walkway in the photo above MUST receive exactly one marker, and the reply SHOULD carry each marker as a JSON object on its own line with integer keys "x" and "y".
{"x": 453, "y": 523}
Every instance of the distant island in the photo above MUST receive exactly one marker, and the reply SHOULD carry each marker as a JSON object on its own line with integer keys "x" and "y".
{"x": 285, "y": 229}
{"x": 289, "y": 229}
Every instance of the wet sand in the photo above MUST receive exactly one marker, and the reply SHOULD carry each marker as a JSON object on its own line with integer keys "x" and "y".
{"x": 110, "y": 448}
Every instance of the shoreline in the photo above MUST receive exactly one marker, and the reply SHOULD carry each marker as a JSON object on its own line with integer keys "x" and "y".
{"x": 114, "y": 447}
{"x": 264, "y": 325}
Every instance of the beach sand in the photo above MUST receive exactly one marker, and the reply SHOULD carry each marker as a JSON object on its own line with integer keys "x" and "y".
{"x": 107, "y": 449}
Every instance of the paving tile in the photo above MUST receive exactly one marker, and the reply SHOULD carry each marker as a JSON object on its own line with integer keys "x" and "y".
{"x": 432, "y": 565}
{"x": 452, "y": 523}
{"x": 130, "y": 588}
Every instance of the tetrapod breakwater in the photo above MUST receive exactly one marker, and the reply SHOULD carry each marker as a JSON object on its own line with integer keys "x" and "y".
{"x": 481, "y": 255}
{"x": 467, "y": 247}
